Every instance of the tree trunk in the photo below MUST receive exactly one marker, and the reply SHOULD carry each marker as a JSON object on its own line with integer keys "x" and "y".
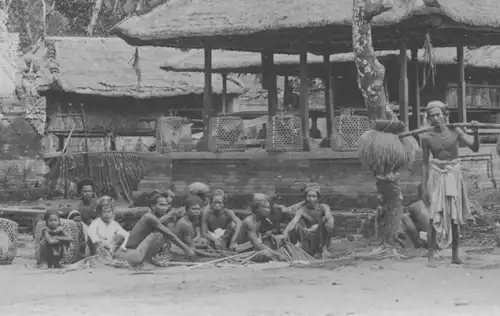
{"x": 390, "y": 221}
{"x": 371, "y": 75}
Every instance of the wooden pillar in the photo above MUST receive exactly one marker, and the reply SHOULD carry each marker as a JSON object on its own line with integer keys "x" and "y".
{"x": 207, "y": 98}
{"x": 304, "y": 93}
{"x": 403, "y": 84}
{"x": 224, "y": 93}
{"x": 462, "y": 99}
{"x": 270, "y": 82}
{"x": 329, "y": 98}
{"x": 416, "y": 87}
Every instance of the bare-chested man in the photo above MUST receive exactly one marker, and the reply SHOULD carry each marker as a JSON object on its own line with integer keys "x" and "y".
{"x": 445, "y": 192}
{"x": 252, "y": 226}
{"x": 149, "y": 234}
{"x": 186, "y": 227}
{"x": 312, "y": 224}
{"x": 219, "y": 225}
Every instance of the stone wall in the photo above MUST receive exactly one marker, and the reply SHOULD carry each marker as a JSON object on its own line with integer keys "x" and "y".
{"x": 345, "y": 185}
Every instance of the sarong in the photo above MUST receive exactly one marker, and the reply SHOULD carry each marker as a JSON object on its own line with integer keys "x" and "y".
{"x": 311, "y": 239}
{"x": 448, "y": 195}
{"x": 224, "y": 235}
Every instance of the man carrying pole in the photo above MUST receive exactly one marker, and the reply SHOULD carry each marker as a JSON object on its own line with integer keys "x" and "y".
{"x": 445, "y": 192}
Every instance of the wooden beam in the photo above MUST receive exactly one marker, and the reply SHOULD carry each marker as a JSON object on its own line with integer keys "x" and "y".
{"x": 207, "y": 98}
{"x": 304, "y": 93}
{"x": 416, "y": 87}
{"x": 462, "y": 99}
{"x": 270, "y": 82}
{"x": 329, "y": 98}
{"x": 224, "y": 93}
{"x": 403, "y": 84}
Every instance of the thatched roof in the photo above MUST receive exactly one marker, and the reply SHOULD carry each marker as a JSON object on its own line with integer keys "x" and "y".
{"x": 102, "y": 66}
{"x": 247, "y": 62}
{"x": 193, "y": 23}
{"x": 481, "y": 57}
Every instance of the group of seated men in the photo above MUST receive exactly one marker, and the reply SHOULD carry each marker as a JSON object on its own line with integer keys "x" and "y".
{"x": 204, "y": 222}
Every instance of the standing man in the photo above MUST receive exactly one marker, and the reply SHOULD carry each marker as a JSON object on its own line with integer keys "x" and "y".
{"x": 445, "y": 192}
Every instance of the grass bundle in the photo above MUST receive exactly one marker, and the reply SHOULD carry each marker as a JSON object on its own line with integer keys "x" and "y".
{"x": 294, "y": 253}
{"x": 384, "y": 153}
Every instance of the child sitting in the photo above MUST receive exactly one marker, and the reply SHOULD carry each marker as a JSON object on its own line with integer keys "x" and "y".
{"x": 55, "y": 241}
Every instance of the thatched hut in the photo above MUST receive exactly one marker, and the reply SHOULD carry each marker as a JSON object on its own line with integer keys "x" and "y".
{"x": 95, "y": 83}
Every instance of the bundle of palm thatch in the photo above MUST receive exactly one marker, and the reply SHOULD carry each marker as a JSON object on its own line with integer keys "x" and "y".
{"x": 114, "y": 173}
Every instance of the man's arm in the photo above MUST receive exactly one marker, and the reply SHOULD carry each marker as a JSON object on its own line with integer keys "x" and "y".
{"x": 49, "y": 239}
{"x": 237, "y": 228}
{"x": 425, "y": 166}
{"x": 293, "y": 223}
{"x": 330, "y": 221}
{"x": 64, "y": 237}
{"x": 122, "y": 232}
{"x": 204, "y": 226}
{"x": 464, "y": 139}
{"x": 155, "y": 222}
{"x": 185, "y": 233}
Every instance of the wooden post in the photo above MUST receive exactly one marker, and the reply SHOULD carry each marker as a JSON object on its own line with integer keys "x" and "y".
{"x": 304, "y": 93}
{"x": 403, "y": 84}
{"x": 207, "y": 98}
{"x": 416, "y": 85}
{"x": 462, "y": 99}
{"x": 329, "y": 98}
{"x": 269, "y": 74}
{"x": 224, "y": 93}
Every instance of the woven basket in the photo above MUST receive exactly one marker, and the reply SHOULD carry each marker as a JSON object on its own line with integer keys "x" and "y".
{"x": 225, "y": 132}
{"x": 284, "y": 133}
{"x": 349, "y": 129}
{"x": 170, "y": 130}
{"x": 72, "y": 255}
{"x": 8, "y": 246}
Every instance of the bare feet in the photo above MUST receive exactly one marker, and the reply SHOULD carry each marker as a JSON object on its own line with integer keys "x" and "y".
{"x": 456, "y": 260}
{"x": 326, "y": 254}
{"x": 431, "y": 261}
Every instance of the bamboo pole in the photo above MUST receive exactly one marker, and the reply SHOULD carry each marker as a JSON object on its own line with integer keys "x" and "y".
{"x": 462, "y": 125}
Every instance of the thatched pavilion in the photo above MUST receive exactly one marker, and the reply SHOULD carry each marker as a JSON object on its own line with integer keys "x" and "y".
{"x": 318, "y": 27}
{"x": 95, "y": 82}
{"x": 322, "y": 28}
{"x": 481, "y": 72}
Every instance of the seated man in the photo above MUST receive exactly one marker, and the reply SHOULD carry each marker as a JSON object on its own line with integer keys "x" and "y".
{"x": 252, "y": 226}
{"x": 104, "y": 231}
{"x": 277, "y": 220}
{"x": 416, "y": 222}
{"x": 149, "y": 234}
{"x": 312, "y": 224}
{"x": 185, "y": 228}
{"x": 87, "y": 206}
{"x": 219, "y": 225}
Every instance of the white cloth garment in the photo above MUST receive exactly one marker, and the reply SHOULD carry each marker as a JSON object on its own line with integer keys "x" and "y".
{"x": 104, "y": 233}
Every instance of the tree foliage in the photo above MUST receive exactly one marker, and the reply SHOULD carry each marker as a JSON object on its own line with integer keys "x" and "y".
{"x": 34, "y": 19}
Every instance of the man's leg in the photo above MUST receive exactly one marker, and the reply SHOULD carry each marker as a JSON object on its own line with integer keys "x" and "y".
{"x": 431, "y": 245}
{"x": 410, "y": 229}
{"x": 326, "y": 238}
{"x": 455, "y": 242}
{"x": 146, "y": 250}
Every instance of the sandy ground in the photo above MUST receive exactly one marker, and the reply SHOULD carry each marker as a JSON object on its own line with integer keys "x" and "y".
{"x": 371, "y": 288}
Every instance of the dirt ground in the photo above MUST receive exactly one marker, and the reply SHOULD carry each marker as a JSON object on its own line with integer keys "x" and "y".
{"x": 391, "y": 287}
